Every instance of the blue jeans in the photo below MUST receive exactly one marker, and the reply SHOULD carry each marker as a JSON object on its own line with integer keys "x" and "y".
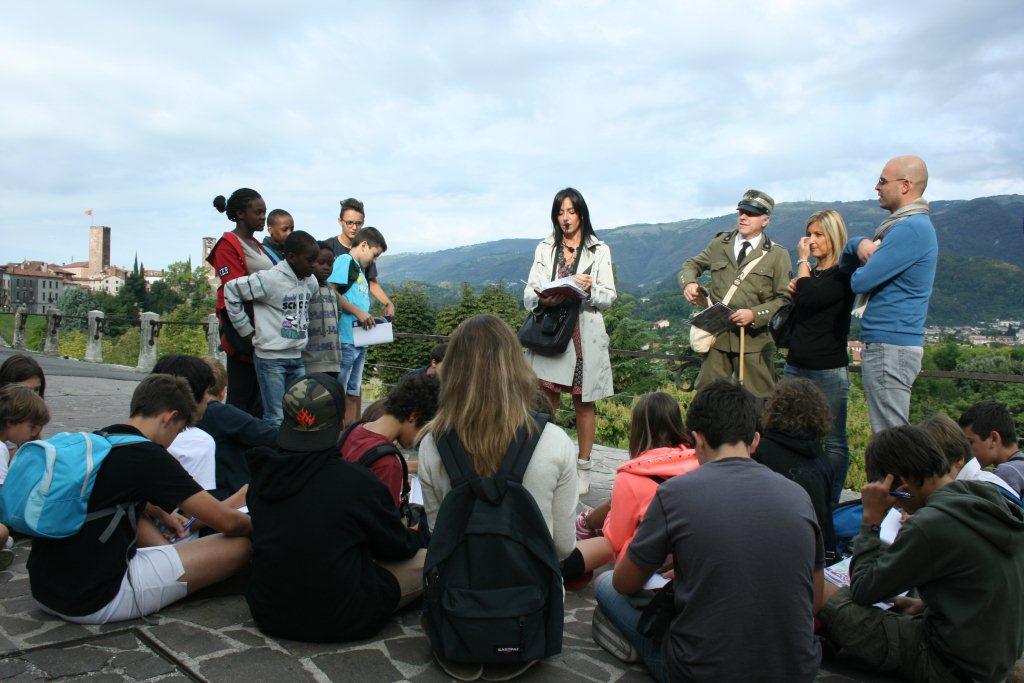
{"x": 276, "y": 375}
{"x": 351, "y": 375}
{"x": 835, "y": 384}
{"x": 888, "y": 372}
{"x": 621, "y": 613}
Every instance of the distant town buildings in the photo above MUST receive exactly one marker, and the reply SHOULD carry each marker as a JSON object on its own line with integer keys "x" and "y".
{"x": 37, "y": 285}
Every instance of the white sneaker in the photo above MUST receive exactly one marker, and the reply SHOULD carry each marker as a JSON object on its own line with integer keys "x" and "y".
{"x": 583, "y": 468}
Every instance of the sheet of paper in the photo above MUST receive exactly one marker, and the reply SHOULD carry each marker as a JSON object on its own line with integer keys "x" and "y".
{"x": 415, "y": 491}
{"x": 839, "y": 575}
{"x": 890, "y": 527}
{"x": 655, "y": 582}
{"x": 381, "y": 333}
{"x": 244, "y": 508}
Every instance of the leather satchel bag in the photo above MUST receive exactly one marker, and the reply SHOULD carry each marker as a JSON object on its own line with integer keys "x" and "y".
{"x": 547, "y": 331}
{"x": 702, "y": 341}
{"x": 782, "y": 324}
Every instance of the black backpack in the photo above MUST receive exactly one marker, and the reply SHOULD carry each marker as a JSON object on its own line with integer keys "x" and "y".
{"x": 491, "y": 581}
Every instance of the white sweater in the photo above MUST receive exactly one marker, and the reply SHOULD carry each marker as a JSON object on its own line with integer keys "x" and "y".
{"x": 550, "y": 478}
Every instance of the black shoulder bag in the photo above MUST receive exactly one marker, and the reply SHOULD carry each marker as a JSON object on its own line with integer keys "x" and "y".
{"x": 548, "y": 330}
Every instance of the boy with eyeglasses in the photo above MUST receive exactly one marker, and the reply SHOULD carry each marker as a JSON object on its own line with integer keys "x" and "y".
{"x": 351, "y": 221}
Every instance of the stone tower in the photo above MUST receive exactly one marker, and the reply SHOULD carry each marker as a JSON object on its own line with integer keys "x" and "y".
{"x": 211, "y": 277}
{"x": 99, "y": 249}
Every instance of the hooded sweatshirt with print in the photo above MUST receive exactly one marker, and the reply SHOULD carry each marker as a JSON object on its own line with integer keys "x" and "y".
{"x": 964, "y": 552}
{"x": 281, "y": 306}
{"x": 636, "y": 481}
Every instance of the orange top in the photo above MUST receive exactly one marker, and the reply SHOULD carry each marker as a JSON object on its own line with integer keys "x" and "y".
{"x": 634, "y": 488}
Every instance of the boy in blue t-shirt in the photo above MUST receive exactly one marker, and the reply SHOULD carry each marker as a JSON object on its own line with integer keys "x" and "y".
{"x": 348, "y": 277}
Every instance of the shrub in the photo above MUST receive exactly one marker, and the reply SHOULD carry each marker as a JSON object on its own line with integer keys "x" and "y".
{"x": 72, "y": 344}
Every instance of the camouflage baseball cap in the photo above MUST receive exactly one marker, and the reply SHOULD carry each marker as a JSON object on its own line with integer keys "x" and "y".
{"x": 756, "y": 202}
{"x": 313, "y": 409}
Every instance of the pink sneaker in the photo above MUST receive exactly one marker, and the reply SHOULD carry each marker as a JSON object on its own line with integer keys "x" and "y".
{"x": 583, "y": 532}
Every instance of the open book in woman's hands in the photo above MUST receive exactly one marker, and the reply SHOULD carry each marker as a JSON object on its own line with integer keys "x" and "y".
{"x": 565, "y": 286}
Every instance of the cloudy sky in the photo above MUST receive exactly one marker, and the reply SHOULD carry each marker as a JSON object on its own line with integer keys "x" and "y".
{"x": 456, "y": 122}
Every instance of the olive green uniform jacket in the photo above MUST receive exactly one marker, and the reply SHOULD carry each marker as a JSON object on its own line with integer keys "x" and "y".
{"x": 763, "y": 290}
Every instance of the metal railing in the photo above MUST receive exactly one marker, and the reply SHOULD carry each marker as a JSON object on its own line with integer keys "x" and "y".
{"x": 150, "y": 325}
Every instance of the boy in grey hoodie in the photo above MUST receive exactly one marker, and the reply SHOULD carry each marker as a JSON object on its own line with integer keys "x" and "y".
{"x": 281, "y": 298}
{"x": 962, "y": 548}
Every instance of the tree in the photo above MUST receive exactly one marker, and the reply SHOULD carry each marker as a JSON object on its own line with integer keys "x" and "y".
{"x": 161, "y": 298}
{"x": 451, "y": 315}
{"x": 414, "y": 315}
{"x": 75, "y": 302}
{"x": 190, "y": 284}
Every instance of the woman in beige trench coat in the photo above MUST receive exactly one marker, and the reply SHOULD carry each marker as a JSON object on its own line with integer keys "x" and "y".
{"x": 584, "y": 370}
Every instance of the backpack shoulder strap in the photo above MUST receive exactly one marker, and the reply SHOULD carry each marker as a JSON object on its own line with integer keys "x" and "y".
{"x": 344, "y": 434}
{"x": 517, "y": 459}
{"x": 459, "y": 465}
{"x": 377, "y": 452}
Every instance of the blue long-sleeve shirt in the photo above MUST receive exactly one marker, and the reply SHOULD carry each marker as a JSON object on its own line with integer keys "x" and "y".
{"x": 899, "y": 277}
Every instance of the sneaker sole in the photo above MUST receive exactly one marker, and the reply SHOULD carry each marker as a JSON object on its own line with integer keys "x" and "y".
{"x": 605, "y": 634}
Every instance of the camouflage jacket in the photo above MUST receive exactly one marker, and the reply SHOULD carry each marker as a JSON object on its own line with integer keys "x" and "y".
{"x": 763, "y": 290}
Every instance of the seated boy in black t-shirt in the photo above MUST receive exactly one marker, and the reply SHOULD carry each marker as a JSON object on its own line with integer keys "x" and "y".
{"x": 83, "y": 580}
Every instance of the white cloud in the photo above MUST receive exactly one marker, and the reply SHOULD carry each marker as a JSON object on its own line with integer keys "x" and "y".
{"x": 456, "y": 122}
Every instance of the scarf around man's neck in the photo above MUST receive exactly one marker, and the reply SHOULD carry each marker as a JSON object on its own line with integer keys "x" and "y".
{"x": 918, "y": 206}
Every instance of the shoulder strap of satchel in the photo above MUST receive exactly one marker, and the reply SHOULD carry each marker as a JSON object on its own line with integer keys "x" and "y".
{"x": 554, "y": 261}
{"x": 740, "y": 278}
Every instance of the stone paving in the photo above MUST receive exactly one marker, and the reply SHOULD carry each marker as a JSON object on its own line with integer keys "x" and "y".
{"x": 212, "y": 636}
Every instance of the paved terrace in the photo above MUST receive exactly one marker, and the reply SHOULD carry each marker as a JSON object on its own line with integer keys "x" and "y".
{"x": 212, "y": 637}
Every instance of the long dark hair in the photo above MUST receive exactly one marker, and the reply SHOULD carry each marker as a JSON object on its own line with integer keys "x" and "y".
{"x": 656, "y": 423}
{"x": 582, "y": 211}
{"x": 19, "y": 368}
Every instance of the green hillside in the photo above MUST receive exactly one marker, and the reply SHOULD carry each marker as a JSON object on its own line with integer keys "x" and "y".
{"x": 981, "y": 248}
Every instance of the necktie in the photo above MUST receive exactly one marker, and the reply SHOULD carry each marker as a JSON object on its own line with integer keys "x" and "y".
{"x": 744, "y": 248}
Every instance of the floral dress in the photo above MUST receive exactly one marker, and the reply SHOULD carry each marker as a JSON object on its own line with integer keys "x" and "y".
{"x": 565, "y": 270}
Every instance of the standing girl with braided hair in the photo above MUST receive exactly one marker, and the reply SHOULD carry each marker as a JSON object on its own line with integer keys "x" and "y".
{"x": 238, "y": 253}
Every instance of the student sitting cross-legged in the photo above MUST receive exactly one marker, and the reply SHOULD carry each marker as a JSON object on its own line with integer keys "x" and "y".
{"x": 84, "y": 579}
{"x": 993, "y": 436}
{"x": 407, "y": 407}
{"x": 795, "y": 425}
{"x": 234, "y": 431}
{"x": 747, "y": 557}
{"x": 659, "y": 449}
{"x": 331, "y": 557}
{"x": 962, "y": 548}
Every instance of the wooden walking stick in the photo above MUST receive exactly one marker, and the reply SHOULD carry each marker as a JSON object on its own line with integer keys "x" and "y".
{"x": 743, "y": 349}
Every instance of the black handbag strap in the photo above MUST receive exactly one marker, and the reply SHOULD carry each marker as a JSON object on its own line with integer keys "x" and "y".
{"x": 575, "y": 262}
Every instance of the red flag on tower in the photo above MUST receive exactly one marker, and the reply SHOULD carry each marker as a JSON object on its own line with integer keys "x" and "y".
{"x": 88, "y": 212}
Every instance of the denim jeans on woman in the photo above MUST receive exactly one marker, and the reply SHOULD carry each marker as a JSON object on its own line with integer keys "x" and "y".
{"x": 835, "y": 384}
{"x": 276, "y": 375}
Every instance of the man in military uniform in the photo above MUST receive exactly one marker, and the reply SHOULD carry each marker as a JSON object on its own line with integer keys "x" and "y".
{"x": 758, "y": 297}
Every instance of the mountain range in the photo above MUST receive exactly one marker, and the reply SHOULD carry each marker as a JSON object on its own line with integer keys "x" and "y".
{"x": 978, "y": 238}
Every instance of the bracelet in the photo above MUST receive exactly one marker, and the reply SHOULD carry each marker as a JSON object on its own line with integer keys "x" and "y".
{"x": 803, "y": 260}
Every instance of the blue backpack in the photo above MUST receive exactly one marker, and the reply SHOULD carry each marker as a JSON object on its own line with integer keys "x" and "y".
{"x": 47, "y": 490}
{"x": 846, "y": 520}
